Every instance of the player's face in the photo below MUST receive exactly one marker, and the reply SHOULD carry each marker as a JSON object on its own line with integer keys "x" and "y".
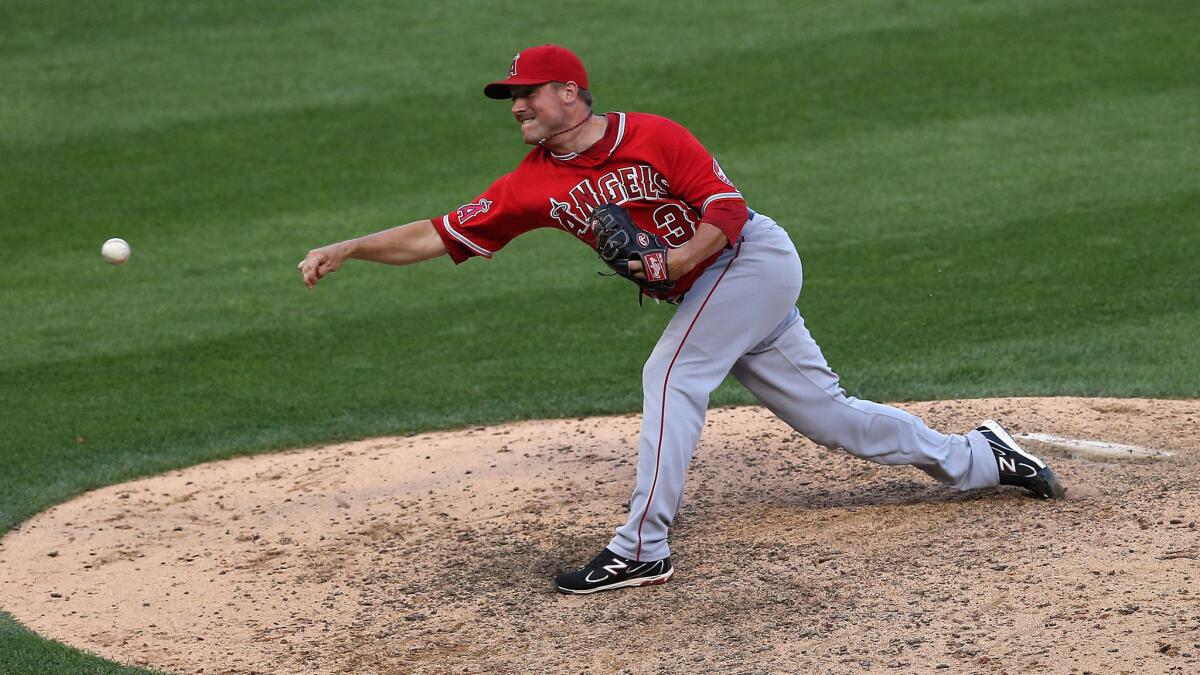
{"x": 539, "y": 110}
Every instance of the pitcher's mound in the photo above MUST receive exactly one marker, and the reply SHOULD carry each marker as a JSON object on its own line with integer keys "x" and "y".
{"x": 435, "y": 553}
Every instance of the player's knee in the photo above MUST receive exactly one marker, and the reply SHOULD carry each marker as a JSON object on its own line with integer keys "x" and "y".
{"x": 693, "y": 391}
{"x": 826, "y": 438}
{"x": 653, "y": 373}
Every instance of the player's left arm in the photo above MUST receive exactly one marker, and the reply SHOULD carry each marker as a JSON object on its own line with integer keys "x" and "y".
{"x": 708, "y": 240}
{"x": 697, "y": 178}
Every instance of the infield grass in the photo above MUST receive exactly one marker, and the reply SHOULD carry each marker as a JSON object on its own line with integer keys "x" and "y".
{"x": 990, "y": 198}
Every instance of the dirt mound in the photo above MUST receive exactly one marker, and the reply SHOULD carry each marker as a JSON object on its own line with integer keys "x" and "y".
{"x": 434, "y": 553}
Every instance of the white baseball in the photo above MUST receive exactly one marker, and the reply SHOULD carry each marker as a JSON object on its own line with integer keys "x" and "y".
{"x": 115, "y": 251}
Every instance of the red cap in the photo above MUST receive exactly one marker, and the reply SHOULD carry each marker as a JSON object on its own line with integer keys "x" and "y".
{"x": 539, "y": 65}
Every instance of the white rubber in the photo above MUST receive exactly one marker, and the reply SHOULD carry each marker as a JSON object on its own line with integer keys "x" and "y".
{"x": 1099, "y": 449}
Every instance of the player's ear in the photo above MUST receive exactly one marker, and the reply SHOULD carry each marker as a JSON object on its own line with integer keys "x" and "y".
{"x": 569, "y": 91}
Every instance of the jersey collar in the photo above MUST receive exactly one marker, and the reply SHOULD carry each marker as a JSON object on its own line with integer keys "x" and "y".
{"x": 602, "y": 149}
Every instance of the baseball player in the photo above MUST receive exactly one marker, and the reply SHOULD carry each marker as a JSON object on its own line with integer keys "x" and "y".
{"x": 733, "y": 276}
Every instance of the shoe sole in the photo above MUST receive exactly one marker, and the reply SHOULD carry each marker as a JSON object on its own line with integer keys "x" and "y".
{"x": 628, "y": 583}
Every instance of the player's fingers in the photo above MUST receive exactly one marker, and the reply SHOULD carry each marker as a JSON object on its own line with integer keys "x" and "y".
{"x": 305, "y": 271}
{"x": 635, "y": 268}
{"x": 316, "y": 265}
{"x": 312, "y": 271}
{"x": 307, "y": 264}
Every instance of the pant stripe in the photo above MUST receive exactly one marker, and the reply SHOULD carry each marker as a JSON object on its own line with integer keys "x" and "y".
{"x": 666, "y": 378}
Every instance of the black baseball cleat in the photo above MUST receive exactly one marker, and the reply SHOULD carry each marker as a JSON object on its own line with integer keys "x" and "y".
{"x": 1018, "y": 467}
{"x": 610, "y": 570}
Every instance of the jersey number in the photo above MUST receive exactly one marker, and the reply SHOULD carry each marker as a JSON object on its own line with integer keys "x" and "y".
{"x": 675, "y": 224}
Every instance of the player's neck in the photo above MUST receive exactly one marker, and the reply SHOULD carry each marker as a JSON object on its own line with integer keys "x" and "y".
{"x": 589, "y": 130}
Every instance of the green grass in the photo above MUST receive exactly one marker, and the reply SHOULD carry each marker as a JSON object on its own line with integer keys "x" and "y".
{"x": 990, "y": 198}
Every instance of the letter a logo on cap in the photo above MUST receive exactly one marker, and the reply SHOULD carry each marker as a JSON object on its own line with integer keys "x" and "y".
{"x": 512, "y": 70}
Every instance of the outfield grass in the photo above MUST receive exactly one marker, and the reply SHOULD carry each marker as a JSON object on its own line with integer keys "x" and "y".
{"x": 990, "y": 198}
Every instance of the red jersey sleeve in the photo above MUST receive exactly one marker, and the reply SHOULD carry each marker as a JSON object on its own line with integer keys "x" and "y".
{"x": 697, "y": 178}
{"x": 484, "y": 226}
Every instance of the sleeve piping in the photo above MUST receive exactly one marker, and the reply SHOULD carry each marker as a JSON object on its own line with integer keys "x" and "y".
{"x": 719, "y": 196}
{"x": 464, "y": 241}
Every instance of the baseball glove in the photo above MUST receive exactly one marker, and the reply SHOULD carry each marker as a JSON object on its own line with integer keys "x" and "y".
{"x": 619, "y": 240}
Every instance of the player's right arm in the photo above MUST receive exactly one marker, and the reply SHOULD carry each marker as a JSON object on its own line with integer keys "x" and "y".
{"x": 479, "y": 228}
{"x": 401, "y": 245}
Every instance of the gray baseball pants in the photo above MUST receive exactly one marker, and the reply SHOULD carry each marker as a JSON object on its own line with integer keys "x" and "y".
{"x": 741, "y": 317}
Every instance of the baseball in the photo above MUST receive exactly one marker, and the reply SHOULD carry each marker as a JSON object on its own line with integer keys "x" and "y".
{"x": 115, "y": 251}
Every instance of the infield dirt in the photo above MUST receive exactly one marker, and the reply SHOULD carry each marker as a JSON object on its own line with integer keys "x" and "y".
{"x": 434, "y": 553}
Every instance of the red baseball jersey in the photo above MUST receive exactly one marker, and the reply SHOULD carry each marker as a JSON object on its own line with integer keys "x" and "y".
{"x": 650, "y": 165}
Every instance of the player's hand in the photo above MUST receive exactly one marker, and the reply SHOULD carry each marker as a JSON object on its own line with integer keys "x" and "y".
{"x": 679, "y": 263}
{"x": 320, "y": 262}
{"x": 708, "y": 240}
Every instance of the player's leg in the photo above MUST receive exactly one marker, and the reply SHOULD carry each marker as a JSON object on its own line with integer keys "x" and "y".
{"x": 733, "y": 306}
{"x": 788, "y": 373}
{"x": 720, "y": 319}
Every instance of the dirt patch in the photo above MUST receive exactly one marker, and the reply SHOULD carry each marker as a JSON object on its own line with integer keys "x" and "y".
{"x": 434, "y": 553}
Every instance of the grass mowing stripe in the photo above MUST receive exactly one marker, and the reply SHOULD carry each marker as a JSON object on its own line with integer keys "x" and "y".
{"x": 949, "y": 176}
{"x": 260, "y": 57}
{"x": 846, "y": 84}
{"x": 1047, "y": 310}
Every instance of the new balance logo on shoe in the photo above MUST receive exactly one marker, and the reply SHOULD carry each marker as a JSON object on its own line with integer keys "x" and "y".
{"x": 1010, "y": 465}
{"x": 590, "y": 580}
{"x": 615, "y": 567}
